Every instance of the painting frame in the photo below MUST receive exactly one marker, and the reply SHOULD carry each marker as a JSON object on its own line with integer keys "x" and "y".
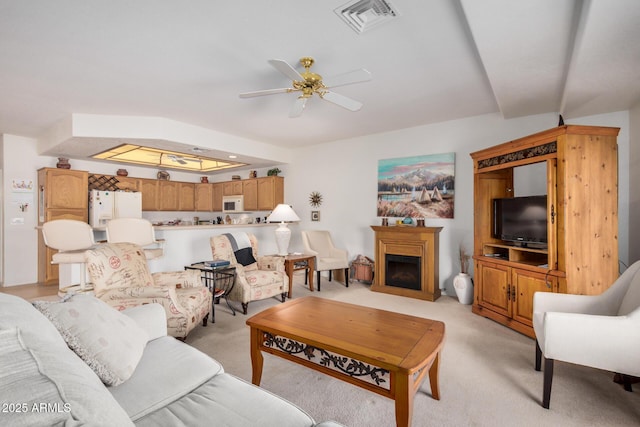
{"x": 417, "y": 186}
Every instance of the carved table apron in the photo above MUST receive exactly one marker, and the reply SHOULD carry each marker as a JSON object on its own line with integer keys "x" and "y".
{"x": 382, "y": 351}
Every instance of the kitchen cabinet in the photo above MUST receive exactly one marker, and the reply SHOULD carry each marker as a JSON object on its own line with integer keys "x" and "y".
{"x": 186, "y": 196}
{"x": 127, "y": 184}
{"x": 250, "y": 192}
{"x": 62, "y": 194}
{"x": 581, "y": 256}
{"x": 204, "y": 197}
{"x": 168, "y": 195}
{"x": 150, "y": 192}
{"x": 270, "y": 192}
{"x": 232, "y": 188}
{"x": 217, "y": 191}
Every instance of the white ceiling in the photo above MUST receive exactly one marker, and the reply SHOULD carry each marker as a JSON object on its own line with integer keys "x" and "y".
{"x": 188, "y": 61}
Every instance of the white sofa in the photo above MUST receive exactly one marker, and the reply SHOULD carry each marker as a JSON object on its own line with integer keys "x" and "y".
{"x": 44, "y": 382}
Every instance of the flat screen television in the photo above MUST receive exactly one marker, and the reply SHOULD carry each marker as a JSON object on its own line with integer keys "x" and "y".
{"x": 521, "y": 220}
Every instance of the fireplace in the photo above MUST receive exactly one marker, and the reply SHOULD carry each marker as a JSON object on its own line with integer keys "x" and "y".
{"x": 407, "y": 261}
{"x": 402, "y": 271}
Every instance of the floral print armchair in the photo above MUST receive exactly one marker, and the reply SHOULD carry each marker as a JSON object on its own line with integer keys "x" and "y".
{"x": 121, "y": 278}
{"x": 265, "y": 278}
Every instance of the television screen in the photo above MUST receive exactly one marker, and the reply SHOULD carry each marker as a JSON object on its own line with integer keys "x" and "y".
{"x": 522, "y": 220}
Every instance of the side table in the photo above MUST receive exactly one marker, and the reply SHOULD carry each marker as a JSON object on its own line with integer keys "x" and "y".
{"x": 296, "y": 262}
{"x": 219, "y": 280}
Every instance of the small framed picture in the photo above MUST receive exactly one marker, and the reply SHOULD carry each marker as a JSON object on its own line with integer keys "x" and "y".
{"x": 315, "y": 215}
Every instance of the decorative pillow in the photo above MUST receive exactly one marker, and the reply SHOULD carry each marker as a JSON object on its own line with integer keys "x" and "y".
{"x": 108, "y": 341}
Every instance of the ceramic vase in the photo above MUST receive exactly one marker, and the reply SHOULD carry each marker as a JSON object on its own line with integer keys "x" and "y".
{"x": 463, "y": 285}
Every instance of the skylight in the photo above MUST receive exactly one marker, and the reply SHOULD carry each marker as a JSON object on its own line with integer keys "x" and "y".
{"x": 145, "y": 156}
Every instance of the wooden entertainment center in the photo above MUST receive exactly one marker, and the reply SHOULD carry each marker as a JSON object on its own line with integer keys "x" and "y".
{"x": 582, "y": 222}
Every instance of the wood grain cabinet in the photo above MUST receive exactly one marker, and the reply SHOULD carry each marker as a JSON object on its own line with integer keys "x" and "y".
{"x": 186, "y": 196}
{"x": 582, "y": 222}
{"x": 62, "y": 194}
{"x": 168, "y": 195}
{"x": 232, "y": 188}
{"x": 150, "y": 192}
{"x": 270, "y": 192}
{"x": 250, "y": 192}
{"x": 203, "y": 197}
{"x": 217, "y": 191}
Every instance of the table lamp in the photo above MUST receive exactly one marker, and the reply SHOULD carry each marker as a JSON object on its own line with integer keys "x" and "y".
{"x": 283, "y": 214}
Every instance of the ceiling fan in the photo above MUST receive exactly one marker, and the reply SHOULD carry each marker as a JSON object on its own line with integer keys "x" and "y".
{"x": 182, "y": 160}
{"x": 308, "y": 83}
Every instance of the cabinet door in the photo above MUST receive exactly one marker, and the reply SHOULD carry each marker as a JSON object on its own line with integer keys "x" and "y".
{"x": 270, "y": 192}
{"x": 216, "y": 203}
{"x": 493, "y": 287}
{"x": 204, "y": 197}
{"x": 168, "y": 196}
{"x": 149, "y": 189}
{"x": 127, "y": 184}
{"x": 232, "y": 188}
{"x": 66, "y": 189}
{"x": 526, "y": 283}
{"x": 250, "y": 192}
{"x": 186, "y": 196}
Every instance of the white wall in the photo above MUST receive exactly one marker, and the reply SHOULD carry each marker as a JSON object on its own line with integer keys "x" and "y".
{"x": 345, "y": 173}
{"x": 634, "y": 184}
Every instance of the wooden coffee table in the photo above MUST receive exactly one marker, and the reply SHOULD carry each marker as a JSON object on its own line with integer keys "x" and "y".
{"x": 381, "y": 351}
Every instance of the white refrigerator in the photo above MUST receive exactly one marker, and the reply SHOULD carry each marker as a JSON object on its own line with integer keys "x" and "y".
{"x": 107, "y": 205}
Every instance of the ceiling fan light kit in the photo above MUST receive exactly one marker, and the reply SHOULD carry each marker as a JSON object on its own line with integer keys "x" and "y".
{"x": 308, "y": 83}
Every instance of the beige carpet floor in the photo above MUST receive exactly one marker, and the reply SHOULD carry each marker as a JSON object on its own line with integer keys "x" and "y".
{"x": 487, "y": 375}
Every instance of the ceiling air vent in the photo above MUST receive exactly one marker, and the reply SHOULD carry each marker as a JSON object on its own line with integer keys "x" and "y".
{"x": 362, "y": 15}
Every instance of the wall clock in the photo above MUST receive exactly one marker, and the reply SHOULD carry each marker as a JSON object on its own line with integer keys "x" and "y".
{"x": 315, "y": 199}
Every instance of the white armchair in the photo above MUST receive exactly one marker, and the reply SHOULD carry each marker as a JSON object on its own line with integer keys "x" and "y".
{"x": 601, "y": 331}
{"x": 328, "y": 257}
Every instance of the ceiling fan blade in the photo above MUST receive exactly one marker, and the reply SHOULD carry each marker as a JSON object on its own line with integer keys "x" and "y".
{"x": 266, "y": 92}
{"x": 298, "y": 107}
{"x": 286, "y": 69}
{"x": 342, "y": 101}
{"x": 351, "y": 77}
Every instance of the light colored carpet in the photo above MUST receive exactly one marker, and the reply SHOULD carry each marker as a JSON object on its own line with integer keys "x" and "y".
{"x": 487, "y": 375}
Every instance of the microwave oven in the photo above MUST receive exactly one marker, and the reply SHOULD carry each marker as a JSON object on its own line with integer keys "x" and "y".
{"x": 232, "y": 204}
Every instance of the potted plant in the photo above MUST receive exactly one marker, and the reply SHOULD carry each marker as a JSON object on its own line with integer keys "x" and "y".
{"x": 273, "y": 172}
{"x": 462, "y": 283}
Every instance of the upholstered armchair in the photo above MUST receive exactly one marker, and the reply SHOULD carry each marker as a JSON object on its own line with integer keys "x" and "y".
{"x": 257, "y": 277}
{"x": 122, "y": 279}
{"x": 328, "y": 257}
{"x": 601, "y": 331}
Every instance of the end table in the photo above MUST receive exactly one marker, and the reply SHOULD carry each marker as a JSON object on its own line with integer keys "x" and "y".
{"x": 219, "y": 280}
{"x": 296, "y": 262}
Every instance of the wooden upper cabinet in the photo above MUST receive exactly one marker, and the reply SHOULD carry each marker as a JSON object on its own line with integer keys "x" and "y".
{"x": 128, "y": 184}
{"x": 250, "y": 192}
{"x": 216, "y": 203}
{"x": 232, "y": 188}
{"x": 186, "y": 196}
{"x": 168, "y": 196}
{"x": 270, "y": 192}
{"x": 149, "y": 190}
{"x": 204, "y": 197}
{"x": 64, "y": 188}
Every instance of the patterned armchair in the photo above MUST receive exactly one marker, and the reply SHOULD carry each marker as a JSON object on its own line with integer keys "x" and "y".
{"x": 264, "y": 278}
{"x": 121, "y": 278}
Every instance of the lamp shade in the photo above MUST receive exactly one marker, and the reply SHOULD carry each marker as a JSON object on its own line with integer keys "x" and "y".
{"x": 283, "y": 213}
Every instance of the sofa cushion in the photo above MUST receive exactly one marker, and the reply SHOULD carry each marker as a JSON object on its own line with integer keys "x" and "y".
{"x": 168, "y": 370}
{"x": 226, "y": 400}
{"x": 88, "y": 400}
{"x": 110, "y": 342}
{"x": 24, "y": 389}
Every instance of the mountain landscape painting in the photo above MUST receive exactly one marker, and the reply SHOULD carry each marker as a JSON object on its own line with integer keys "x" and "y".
{"x": 417, "y": 187}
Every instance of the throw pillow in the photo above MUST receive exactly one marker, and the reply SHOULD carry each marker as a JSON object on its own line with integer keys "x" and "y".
{"x": 108, "y": 341}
